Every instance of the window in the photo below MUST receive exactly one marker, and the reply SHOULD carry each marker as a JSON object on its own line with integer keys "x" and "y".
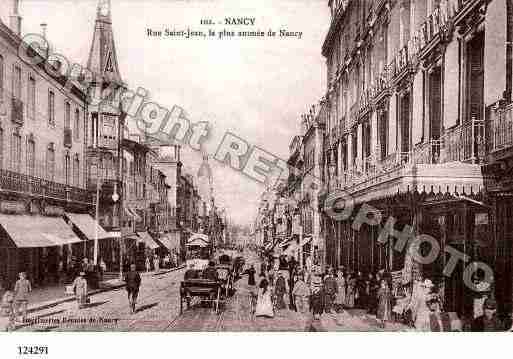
{"x": 31, "y": 156}
{"x": 67, "y": 168}
{"x": 383, "y": 132}
{"x": 16, "y": 82}
{"x": 15, "y": 151}
{"x": 76, "y": 125}
{"x": 1, "y": 77}
{"x": 51, "y": 108}
{"x": 31, "y": 97}
{"x": 50, "y": 162}
{"x": 76, "y": 171}
{"x": 67, "y": 114}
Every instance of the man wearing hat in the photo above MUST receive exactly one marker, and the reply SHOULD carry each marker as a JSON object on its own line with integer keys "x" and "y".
{"x": 488, "y": 322}
{"x": 133, "y": 282}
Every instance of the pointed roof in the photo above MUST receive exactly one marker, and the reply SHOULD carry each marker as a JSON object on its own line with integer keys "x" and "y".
{"x": 102, "y": 56}
{"x": 204, "y": 169}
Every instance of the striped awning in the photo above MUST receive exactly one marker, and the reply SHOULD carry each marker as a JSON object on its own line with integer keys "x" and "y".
{"x": 147, "y": 240}
{"x": 37, "y": 231}
{"x": 455, "y": 178}
{"x": 88, "y": 226}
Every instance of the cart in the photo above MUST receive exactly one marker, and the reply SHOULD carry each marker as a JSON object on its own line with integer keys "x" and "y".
{"x": 205, "y": 289}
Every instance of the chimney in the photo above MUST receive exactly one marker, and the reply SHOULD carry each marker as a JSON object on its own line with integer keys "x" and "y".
{"x": 15, "y": 18}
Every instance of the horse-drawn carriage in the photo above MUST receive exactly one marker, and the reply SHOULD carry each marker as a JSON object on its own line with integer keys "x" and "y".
{"x": 209, "y": 281}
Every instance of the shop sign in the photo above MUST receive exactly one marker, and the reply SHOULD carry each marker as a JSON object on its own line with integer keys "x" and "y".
{"x": 481, "y": 219}
{"x": 53, "y": 211}
{"x": 12, "y": 207}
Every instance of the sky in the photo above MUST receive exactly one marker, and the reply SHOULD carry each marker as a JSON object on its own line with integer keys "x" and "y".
{"x": 255, "y": 88}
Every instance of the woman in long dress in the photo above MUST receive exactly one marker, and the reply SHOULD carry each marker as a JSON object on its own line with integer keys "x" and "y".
{"x": 264, "y": 306}
{"x": 351, "y": 289}
{"x": 340, "y": 298}
{"x": 384, "y": 313}
{"x": 80, "y": 289}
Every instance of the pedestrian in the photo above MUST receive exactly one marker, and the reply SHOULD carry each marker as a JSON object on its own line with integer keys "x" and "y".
{"x": 421, "y": 307}
{"x": 264, "y": 306}
{"x": 384, "y": 296}
{"x": 360, "y": 298}
{"x": 251, "y": 275}
{"x": 133, "y": 282}
{"x": 103, "y": 268}
{"x": 280, "y": 289}
{"x": 340, "y": 298}
{"x": 351, "y": 288}
{"x": 22, "y": 288}
{"x": 7, "y": 312}
{"x": 292, "y": 267}
{"x": 301, "y": 294}
{"x": 156, "y": 263}
{"x": 330, "y": 290}
{"x": 251, "y": 271}
{"x": 317, "y": 297}
{"x": 481, "y": 293}
{"x": 488, "y": 322}
{"x": 148, "y": 264}
{"x": 80, "y": 289}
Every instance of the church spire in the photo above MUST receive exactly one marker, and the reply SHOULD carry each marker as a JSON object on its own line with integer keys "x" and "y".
{"x": 103, "y": 60}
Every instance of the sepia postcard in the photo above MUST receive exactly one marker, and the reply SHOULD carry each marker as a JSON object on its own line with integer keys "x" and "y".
{"x": 255, "y": 166}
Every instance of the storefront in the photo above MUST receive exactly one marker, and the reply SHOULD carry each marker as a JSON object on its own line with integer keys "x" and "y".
{"x": 38, "y": 248}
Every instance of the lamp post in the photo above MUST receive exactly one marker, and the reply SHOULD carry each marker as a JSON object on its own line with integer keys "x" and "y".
{"x": 115, "y": 198}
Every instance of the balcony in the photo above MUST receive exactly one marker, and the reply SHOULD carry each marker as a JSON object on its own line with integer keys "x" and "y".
{"x": 37, "y": 187}
{"x": 499, "y": 129}
{"x": 17, "y": 111}
{"x": 68, "y": 138}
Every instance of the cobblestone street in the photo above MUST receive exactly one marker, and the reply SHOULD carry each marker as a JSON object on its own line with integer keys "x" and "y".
{"x": 158, "y": 310}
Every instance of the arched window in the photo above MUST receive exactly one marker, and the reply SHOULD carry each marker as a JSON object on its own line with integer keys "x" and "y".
{"x": 76, "y": 171}
{"x": 50, "y": 162}
{"x": 16, "y": 150}
{"x": 67, "y": 168}
{"x": 31, "y": 155}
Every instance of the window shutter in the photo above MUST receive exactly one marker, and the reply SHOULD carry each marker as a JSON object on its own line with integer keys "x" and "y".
{"x": 476, "y": 77}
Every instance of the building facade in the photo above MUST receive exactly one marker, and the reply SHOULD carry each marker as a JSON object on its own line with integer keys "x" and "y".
{"x": 42, "y": 160}
{"x": 419, "y": 128}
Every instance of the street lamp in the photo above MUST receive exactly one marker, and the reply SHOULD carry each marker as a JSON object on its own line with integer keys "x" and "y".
{"x": 115, "y": 198}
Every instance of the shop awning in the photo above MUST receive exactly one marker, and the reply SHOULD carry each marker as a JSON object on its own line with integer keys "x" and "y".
{"x": 38, "y": 231}
{"x": 452, "y": 178}
{"x": 305, "y": 240}
{"x": 198, "y": 239}
{"x": 87, "y": 225}
{"x": 132, "y": 213}
{"x": 286, "y": 242}
{"x": 147, "y": 240}
{"x": 169, "y": 242}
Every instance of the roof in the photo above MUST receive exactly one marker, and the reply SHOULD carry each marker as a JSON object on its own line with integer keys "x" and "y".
{"x": 37, "y": 231}
{"x": 88, "y": 226}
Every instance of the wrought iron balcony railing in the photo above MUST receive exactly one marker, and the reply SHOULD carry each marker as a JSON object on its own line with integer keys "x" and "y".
{"x": 499, "y": 128}
{"x": 34, "y": 186}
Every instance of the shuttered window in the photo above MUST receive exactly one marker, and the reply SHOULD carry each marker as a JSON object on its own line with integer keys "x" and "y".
{"x": 383, "y": 132}
{"x": 405, "y": 122}
{"x": 435, "y": 103}
{"x": 475, "y": 78}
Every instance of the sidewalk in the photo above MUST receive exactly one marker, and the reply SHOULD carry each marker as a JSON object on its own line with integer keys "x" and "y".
{"x": 47, "y": 297}
{"x": 355, "y": 320}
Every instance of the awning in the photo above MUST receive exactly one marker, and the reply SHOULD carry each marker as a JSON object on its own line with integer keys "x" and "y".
{"x": 286, "y": 242}
{"x": 305, "y": 240}
{"x": 452, "y": 177}
{"x": 147, "y": 240}
{"x": 133, "y": 213}
{"x": 38, "y": 231}
{"x": 87, "y": 225}
{"x": 198, "y": 239}
{"x": 169, "y": 242}
{"x": 115, "y": 235}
